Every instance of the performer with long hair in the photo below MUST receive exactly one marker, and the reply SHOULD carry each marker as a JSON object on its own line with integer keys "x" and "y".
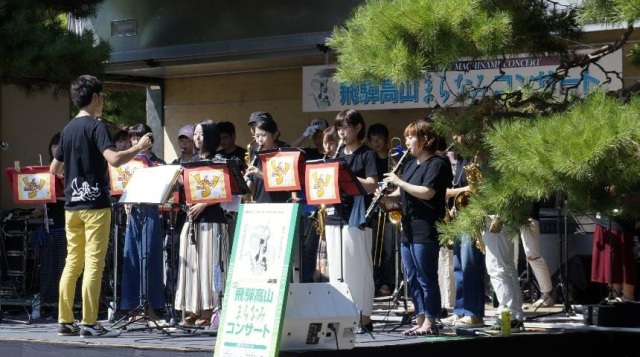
{"x": 421, "y": 190}
{"x": 199, "y": 255}
{"x": 348, "y": 246}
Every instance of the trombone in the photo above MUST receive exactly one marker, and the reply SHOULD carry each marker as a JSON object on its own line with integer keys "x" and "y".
{"x": 394, "y": 211}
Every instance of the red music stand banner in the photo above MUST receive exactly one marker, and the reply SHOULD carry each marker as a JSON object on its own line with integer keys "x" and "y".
{"x": 281, "y": 170}
{"x": 321, "y": 181}
{"x": 32, "y": 184}
{"x": 120, "y": 176}
{"x": 207, "y": 184}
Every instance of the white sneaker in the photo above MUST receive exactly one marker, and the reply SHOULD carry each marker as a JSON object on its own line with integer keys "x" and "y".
{"x": 544, "y": 301}
{"x": 469, "y": 322}
{"x": 450, "y": 320}
{"x": 97, "y": 331}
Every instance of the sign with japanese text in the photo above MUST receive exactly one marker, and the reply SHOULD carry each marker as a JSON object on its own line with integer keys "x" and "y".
{"x": 322, "y": 184}
{"x": 207, "y": 184}
{"x": 32, "y": 184}
{"x": 257, "y": 281}
{"x": 119, "y": 176}
{"x": 468, "y": 77}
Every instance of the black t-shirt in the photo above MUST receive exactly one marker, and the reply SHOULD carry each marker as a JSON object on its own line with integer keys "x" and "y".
{"x": 261, "y": 195}
{"x": 363, "y": 164}
{"x": 86, "y": 171}
{"x": 460, "y": 176}
{"x": 419, "y": 216}
{"x": 312, "y": 154}
{"x": 212, "y": 213}
{"x": 238, "y": 153}
{"x": 382, "y": 165}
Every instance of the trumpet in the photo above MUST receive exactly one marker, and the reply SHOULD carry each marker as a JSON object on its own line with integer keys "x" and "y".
{"x": 383, "y": 189}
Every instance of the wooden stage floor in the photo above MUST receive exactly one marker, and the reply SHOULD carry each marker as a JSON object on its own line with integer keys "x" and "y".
{"x": 549, "y": 331}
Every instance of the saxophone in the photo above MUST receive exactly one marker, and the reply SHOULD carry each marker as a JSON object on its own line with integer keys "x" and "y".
{"x": 248, "y": 198}
{"x": 473, "y": 175}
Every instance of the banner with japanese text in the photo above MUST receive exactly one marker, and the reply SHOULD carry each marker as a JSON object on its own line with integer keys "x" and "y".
{"x": 258, "y": 280}
{"x": 469, "y": 77}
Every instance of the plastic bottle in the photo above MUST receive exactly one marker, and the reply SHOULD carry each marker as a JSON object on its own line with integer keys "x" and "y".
{"x": 35, "y": 307}
{"x": 110, "y": 312}
{"x": 505, "y": 319}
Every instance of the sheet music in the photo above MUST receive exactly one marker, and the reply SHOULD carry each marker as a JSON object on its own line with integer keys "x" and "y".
{"x": 152, "y": 185}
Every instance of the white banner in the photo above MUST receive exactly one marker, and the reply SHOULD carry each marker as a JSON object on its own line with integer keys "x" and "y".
{"x": 321, "y": 93}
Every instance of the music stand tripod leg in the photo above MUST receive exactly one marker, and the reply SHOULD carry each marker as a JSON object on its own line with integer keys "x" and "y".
{"x": 143, "y": 312}
{"x": 401, "y": 284}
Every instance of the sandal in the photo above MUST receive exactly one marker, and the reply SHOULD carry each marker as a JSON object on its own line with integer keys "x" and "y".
{"x": 190, "y": 320}
{"x": 431, "y": 331}
{"x": 409, "y": 332}
{"x": 204, "y": 319}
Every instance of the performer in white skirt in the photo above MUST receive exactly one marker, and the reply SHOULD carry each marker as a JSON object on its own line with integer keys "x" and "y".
{"x": 204, "y": 246}
{"x": 349, "y": 247}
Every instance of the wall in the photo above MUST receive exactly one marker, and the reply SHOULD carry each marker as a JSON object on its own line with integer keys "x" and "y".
{"x": 234, "y": 97}
{"x": 27, "y": 125}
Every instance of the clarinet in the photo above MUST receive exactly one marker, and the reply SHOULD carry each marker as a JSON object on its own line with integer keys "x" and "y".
{"x": 383, "y": 190}
{"x": 192, "y": 238}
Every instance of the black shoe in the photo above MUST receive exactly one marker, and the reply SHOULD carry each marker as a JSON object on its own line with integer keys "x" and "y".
{"x": 516, "y": 326}
{"x": 444, "y": 313}
{"x": 71, "y": 329}
{"x": 367, "y": 328}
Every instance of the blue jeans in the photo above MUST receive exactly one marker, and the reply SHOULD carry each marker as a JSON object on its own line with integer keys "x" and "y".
{"x": 143, "y": 249}
{"x": 420, "y": 262}
{"x": 468, "y": 272}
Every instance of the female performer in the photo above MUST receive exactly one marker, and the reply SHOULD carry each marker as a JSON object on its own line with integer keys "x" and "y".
{"x": 349, "y": 247}
{"x": 203, "y": 244}
{"x": 421, "y": 190}
{"x": 266, "y": 135}
{"x": 143, "y": 239}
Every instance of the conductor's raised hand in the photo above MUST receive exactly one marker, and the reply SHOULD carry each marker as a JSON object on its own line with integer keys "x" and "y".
{"x": 145, "y": 142}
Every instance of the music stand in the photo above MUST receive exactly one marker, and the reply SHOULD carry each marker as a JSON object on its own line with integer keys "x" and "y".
{"x": 147, "y": 186}
{"x": 349, "y": 185}
{"x": 29, "y": 184}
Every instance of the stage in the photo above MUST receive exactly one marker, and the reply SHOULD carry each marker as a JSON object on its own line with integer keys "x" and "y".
{"x": 549, "y": 331}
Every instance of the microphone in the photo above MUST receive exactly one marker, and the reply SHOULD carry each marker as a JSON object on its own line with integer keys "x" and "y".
{"x": 4, "y": 146}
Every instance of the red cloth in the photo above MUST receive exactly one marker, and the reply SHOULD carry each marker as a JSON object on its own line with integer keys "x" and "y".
{"x": 617, "y": 269}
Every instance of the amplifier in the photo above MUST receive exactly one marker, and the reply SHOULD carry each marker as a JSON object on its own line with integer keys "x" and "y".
{"x": 613, "y": 315}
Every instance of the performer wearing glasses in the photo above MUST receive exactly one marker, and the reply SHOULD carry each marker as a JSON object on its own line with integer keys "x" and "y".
{"x": 421, "y": 190}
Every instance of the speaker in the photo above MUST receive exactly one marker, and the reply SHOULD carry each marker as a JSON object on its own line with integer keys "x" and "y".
{"x": 582, "y": 290}
{"x": 319, "y": 316}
